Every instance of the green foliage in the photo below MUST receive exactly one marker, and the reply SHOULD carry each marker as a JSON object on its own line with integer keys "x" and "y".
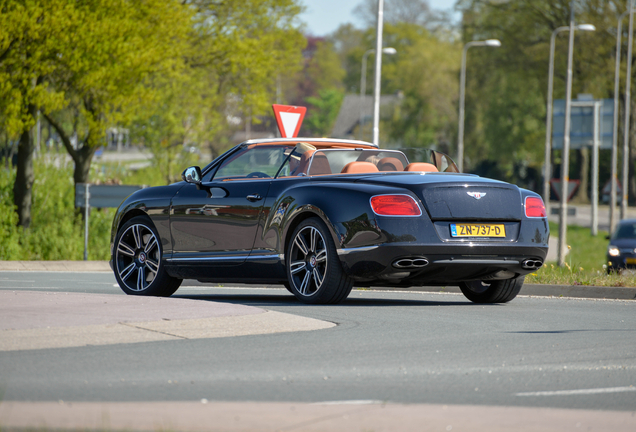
{"x": 506, "y": 87}
{"x": 57, "y": 230}
{"x": 425, "y": 70}
{"x": 230, "y": 61}
{"x": 28, "y": 36}
{"x": 324, "y": 111}
{"x": 9, "y": 234}
{"x": 324, "y": 68}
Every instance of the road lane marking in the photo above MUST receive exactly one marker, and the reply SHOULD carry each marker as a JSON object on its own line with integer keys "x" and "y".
{"x": 579, "y": 392}
{"x": 351, "y": 402}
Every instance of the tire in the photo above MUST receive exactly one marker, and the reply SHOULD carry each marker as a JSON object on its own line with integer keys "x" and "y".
{"x": 499, "y": 291}
{"x": 137, "y": 260}
{"x": 288, "y": 287}
{"x": 314, "y": 271}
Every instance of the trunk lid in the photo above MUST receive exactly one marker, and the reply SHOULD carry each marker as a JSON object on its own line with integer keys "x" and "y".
{"x": 460, "y": 197}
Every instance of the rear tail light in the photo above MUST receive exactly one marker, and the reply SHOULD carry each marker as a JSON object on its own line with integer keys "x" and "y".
{"x": 395, "y": 205}
{"x": 535, "y": 208}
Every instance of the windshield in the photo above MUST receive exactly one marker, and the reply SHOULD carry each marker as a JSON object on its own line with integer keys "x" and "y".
{"x": 626, "y": 231}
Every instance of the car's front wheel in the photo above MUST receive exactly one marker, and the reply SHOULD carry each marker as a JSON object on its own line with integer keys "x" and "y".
{"x": 137, "y": 260}
{"x": 499, "y": 291}
{"x": 314, "y": 271}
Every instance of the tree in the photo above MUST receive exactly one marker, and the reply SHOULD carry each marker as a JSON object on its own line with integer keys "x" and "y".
{"x": 80, "y": 63}
{"x": 417, "y": 12}
{"x": 27, "y": 55}
{"x": 506, "y": 88}
{"x": 318, "y": 84}
{"x": 243, "y": 48}
{"x": 425, "y": 71}
{"x": 116, "y": 46}
{"x": 325, "y": 110}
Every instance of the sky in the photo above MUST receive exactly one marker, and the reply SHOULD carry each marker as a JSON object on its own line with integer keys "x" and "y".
{"x": 324, "y": 16}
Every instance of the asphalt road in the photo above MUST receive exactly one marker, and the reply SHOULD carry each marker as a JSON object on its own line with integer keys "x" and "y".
{"x": 390, "y": 347}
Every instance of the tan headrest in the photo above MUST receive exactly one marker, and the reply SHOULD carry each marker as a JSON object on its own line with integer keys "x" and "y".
{"x": 421, "y": 166}
{"x": 359, "y": 167}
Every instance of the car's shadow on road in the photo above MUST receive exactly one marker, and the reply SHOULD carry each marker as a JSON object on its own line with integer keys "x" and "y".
{"x": 285, "y": 299}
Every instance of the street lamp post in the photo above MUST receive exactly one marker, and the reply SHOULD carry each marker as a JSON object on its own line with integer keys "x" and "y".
{"x": 548, "y": 120}
{"x": 627, "y": 106}
{"x": 363, "y": 80}
{"x": 619, "y": 33}
{"x": 378, "y": 73}
{"x": 462, "y": 87}
{"x": 565, "y": 158}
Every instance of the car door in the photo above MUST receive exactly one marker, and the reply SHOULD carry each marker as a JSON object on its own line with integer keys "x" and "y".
{"x": 217, "y": 223}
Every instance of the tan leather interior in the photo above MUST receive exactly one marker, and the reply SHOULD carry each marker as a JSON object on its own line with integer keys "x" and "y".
{"x": 421, "y": 166}
{"x": 304, "y": 162}
{"x": 359, "y": 167}
{"x": 390, "y": 164}
{"x": 319, "y": 165}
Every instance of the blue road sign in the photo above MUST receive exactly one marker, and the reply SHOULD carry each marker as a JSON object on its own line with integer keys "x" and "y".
{"x": 581, "y": 127}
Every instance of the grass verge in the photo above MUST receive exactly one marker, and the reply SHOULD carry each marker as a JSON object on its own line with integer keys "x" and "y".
{"x": 585, "y": 262}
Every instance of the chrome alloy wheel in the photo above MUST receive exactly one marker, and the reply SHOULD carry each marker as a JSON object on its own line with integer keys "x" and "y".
{"x": 137, "y": 257}
{"x": 308, "y": 263}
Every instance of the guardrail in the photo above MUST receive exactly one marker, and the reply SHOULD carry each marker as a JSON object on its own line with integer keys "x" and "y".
{"x": 100, "y": 196}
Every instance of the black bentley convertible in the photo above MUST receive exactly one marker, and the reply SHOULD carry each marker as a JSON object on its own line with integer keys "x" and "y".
{"x": 323, "y": 215}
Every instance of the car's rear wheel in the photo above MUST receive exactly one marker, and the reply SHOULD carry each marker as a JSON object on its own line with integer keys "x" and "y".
{"x": 137, "y": 260}
{"x": 499, "y": 291}
{"x": 314, "y": 271}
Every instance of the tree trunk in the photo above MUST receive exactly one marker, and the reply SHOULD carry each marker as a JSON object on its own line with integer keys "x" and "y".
{"x": 83, "y": 159}
{"x": 82, "y": 156}
{"x": 23, "y": 186}
{"x": 581, "y": 196}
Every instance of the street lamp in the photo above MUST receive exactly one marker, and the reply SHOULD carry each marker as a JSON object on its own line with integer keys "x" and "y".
{"x": 363, "y": 79}
{"x": 619, "y": 33}
{"x": 462, "y": 86}
{"x": 548, "y": 120}
{"x": 627, "y": 107}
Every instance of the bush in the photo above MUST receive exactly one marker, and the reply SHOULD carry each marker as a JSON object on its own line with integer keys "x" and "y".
{"x": 57, "y": 229}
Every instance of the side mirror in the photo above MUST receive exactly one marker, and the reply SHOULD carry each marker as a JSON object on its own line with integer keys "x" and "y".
{"x": 192, "y": 175}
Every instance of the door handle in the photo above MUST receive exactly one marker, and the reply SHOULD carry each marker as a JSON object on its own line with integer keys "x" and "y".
{"x": 254, "y": 197}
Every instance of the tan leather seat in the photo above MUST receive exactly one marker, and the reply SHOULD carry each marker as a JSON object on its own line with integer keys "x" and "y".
{"x": 359, "y": 167}
{"x": 390, "y": 164}
{"x": 421, "y": 166}
{"x": 319, "y": 165}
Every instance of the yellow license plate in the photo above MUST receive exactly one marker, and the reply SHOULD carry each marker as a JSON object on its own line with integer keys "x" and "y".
{"x": 630, "y": 260}
{"x": 478, "y": 230}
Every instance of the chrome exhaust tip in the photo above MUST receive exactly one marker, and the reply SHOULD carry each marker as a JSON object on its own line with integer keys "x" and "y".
{"x": 531, "y": 264}
{"x": 410, "y": 263}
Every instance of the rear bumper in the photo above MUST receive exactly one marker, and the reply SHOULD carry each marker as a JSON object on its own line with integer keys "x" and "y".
{"x": 409, "y": 265}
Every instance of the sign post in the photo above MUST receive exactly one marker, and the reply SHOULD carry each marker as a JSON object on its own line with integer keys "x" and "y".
{"x": 99, "y": 196}
{"x": 590, "y": 127}
{"x": 289, "y": 119}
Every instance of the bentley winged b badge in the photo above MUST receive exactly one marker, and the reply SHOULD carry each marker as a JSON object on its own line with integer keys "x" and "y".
{"x": 477, "y": 195}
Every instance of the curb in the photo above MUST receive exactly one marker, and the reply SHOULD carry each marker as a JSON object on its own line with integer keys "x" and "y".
{"x": 537, "y": 290}
{"x": 56, "y": 266}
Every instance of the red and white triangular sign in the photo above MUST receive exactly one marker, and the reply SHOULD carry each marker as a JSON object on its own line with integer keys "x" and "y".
{"x": 289, "y": 118}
